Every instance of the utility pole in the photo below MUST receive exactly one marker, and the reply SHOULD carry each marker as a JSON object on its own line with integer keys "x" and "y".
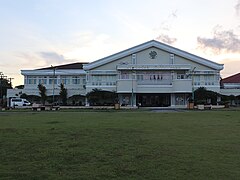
{"x": 193, "y": 83}
{"x": 10, "y": 80}
{"x": 54, "y": 73}
{"x": 1, "y": 83}
{"x": 132, "y": 86}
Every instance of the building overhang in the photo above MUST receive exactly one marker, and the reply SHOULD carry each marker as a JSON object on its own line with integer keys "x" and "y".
{"x": 68, "y": 72}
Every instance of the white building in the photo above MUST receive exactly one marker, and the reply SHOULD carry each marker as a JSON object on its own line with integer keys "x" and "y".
{"x": 71, "y": 75}
{"x": 150, "y": 74}
{"x": 231, "y": 85}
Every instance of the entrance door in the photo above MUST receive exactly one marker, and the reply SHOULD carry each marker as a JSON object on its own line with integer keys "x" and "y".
{"x": 154, "y": 100}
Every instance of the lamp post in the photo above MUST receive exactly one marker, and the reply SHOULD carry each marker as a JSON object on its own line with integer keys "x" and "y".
{"x": 132, "y": 87}
{"x": 54, "y": 72}
{"x": 193, "y": 84}
{"x": 1, "y": 83}
{"x": 10, "y": 81}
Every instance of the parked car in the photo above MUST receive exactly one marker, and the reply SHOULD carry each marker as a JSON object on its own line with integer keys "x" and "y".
{"x": 19, "y": 102}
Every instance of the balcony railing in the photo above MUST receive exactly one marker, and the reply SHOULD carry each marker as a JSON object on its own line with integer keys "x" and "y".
{"x": 154, "y": 82}
{"x": 102, "y": 83}
{"x": 154, "y": 67}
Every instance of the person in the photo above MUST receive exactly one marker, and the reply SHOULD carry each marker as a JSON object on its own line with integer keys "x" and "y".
{"x": 138, "y": 105}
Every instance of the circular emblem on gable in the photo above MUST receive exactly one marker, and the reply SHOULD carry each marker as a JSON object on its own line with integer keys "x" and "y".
{"x": 153, "y": 54}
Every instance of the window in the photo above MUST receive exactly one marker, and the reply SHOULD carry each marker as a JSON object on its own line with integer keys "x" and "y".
{"x": 181, "y": 76}
{"x": 171, "y": 58}
{"x": 42, "y": 80}
{"x": 16, "y": 100}
{"x": 96, "y": 78}
{"x": 103, "y": 80}
{"x": 65, "y": 80}
{"x": 140, "y": 77}
{"x": 75, "y": 80}
{"x": 196, "y": 80}
{"x": 52, "y": 80}
{"x": 125, "y": 75}
{"x": 31, "y": 80}
{"x": 134, "y": 59}
{"x": 209, "y": 80}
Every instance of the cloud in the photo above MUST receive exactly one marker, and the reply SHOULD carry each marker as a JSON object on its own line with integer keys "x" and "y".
{"x": 167, "y": 24}
{"x": 166, "y": 39}
{"x": 222, "y": 41}
{"x": 165, "y": 28}
{"x": 52, "y": 57}
{"x": 237, "y": 7}
{"x": 40, "y": 59}
{"x": 231, "y": 66}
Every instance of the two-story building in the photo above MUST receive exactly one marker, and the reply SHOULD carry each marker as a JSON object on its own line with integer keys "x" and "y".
{"x": 71, "y": 75}
{"x": 153, "y": 74}
{"x": 150, "y": 74}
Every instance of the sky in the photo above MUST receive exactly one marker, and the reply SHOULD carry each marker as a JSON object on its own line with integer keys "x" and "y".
{"x": 41, "y": 33}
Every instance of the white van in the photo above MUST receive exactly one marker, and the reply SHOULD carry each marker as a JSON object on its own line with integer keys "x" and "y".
{"x": 19, "y": 102}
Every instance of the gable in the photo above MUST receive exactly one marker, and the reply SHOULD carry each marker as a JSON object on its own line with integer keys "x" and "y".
{"x": 143, "y": 56}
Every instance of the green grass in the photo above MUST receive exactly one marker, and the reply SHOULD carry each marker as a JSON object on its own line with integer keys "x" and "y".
{"x": 120, "y": 145}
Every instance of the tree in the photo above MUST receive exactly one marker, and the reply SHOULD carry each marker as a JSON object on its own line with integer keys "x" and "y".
{"x": 201, "y": 96}
{"x": 42, "y": 92}
{"x": 101, "y": 97}
{"x": 63, "y": 94}
{"x": 4, "y": 85}
{"x": 77, "y": 100}
{"x": 31, "y": 98}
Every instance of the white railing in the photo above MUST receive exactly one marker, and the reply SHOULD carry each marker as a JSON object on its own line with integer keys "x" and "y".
{"x": 102, "y": 83}
{"x": 154, "y": 67}
{"x": 154, "y": 82}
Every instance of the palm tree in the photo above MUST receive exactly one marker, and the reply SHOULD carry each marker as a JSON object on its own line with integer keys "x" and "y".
{"x": 63, "y": 94}
{"x": 42, "y": 92}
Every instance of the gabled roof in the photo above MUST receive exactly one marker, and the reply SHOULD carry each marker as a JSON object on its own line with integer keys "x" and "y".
{"x": 156, "y": 44}
{"x": 66, "y": 66}
{"x": 231, "y": 79}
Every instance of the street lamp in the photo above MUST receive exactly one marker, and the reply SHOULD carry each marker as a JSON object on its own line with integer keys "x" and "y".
{"x": 193, "y": 84}
{"x": 1, "y": 83}
{"x": 54, "y": 72}
{"x": 132, "y": 86}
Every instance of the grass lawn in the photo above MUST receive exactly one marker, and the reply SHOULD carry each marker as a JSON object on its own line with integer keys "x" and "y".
{"x": 120, "y": 145}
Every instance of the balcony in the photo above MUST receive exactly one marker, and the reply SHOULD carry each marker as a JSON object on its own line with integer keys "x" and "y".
{"x": 182, "y": 85}
{"x": 155, "y": 82}
{"x": 144, "y": 86}
{"x": 162, "y": 86}
{"x": 126, "y": 86}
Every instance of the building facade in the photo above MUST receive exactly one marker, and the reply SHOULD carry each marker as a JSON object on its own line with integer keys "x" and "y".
{"x": 231, "y": 85}
{"x": 150, "y": 74}
{"x": 71, "y": 75}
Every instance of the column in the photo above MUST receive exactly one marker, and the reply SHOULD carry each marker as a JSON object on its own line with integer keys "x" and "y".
{"x": 173, "y": 100}
{"x": 86, "y": 102}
